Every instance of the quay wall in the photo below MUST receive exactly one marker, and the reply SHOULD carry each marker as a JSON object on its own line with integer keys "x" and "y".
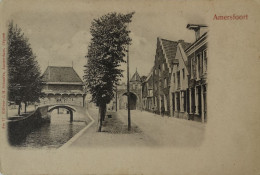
{"x": 19, "y": 128}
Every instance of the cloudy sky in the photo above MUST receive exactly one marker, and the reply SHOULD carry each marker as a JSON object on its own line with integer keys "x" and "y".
{"x": 59, "y": 32}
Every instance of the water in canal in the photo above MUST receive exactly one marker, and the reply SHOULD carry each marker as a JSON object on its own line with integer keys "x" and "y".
{"x": 54, "y": 134}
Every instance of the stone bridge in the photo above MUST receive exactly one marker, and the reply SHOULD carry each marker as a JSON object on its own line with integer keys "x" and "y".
{"x": 47, "y": 109}
{"x": 69, "y": 108}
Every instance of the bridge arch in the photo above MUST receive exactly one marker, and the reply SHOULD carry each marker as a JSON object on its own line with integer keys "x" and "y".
{"x": 67, "y": 107}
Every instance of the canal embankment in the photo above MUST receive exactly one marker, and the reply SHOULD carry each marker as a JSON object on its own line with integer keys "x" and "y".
{"x": 20, "y": 127}
{"x": 43, "y": 129}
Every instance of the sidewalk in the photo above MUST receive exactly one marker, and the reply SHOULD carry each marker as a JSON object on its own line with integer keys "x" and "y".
{"x": 110, "y": 137}
{"x": 148, "y": 130}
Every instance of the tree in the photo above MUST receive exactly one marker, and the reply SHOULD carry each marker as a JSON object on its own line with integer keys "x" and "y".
{"x": 24, "y": 81}
{"x": 106, "y": 52}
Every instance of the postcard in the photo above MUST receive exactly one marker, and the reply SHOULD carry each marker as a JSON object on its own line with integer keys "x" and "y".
{"x": 126, "y": 87}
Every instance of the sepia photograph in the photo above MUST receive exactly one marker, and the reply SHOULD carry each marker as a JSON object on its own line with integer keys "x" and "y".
{"x": 105, "y": 87}
{"x": 111, "y": 75}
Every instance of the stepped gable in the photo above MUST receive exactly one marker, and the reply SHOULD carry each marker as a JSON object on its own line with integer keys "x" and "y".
{"x": 170, "y": 48}
{"x": 61, "y": 74}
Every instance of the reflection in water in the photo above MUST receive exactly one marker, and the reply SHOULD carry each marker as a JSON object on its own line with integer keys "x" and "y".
{"x": 54, "y": 134}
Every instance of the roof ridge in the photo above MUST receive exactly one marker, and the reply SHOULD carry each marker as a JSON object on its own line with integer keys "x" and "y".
{"x": 169, "y": 40}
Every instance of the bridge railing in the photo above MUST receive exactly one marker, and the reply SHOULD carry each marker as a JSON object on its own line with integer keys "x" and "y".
{"x": 76, "y": 103}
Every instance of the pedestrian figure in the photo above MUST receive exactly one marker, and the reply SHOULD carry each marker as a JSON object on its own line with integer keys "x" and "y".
{"x": 162, "y": 111}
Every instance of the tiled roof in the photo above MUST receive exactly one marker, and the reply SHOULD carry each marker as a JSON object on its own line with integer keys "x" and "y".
{"x": 185, "y": 45}
{"x": 170, "y": 48}
{"x": 150, "y": 74}
{"x": 61, "y": 74}
{"x": 136, "y": 77}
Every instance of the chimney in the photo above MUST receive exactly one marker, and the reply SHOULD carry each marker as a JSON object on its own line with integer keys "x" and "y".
{"x": 196, "y": 28}
{"x": 197, "y": 33}
{"x": 180, "y": 41}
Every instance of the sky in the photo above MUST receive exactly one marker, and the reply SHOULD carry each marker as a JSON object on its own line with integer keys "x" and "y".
{"x": 59, "y": 32}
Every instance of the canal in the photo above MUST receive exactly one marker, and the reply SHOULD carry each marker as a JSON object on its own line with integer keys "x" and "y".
{"x": 54, "y": 134}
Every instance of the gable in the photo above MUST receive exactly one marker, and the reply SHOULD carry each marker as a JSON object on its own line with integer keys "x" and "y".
{"x": 136, "y": 77}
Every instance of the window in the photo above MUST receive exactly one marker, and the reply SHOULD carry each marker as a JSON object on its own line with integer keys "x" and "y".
{"x": 174, "y": 78}
{"x": 178, "y": 79}
{"x": 193, "y": 68}
{"x": 163, "y": 67}
{"x": 183, "y": 97}
{"x": 165, "y": 82}
{"x": 150, "y": 92}
{"x": 173, "y": 101}
{"x": 178, "y": 101}
{"x": 198, "y": 66}
{"x": 205, "y": 57}
{"x": 183, "y": 74}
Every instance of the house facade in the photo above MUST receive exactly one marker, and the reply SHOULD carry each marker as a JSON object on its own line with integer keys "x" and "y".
{"x": 179, "y": 83}
{"x": 178, "y": 80}
{"x": 165, "y": 60}
{"x": 165, "y": 53}
{"x": 197, "y": 55}
{"x": 62, "y": 85}
{"x": 147, "y": 93}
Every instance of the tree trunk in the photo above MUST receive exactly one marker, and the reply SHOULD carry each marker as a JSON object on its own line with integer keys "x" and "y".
{"x": 102, "y": 112}
{"x": 25, "y": 105}
{"x": 19, "y": 109}
{"x": 100, "y": 120}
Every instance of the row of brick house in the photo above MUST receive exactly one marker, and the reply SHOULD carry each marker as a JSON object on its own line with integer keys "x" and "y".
{"x": 177, "y": 83}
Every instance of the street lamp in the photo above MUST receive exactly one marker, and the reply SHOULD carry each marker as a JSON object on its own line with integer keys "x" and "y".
{"x": 128, "y": 93}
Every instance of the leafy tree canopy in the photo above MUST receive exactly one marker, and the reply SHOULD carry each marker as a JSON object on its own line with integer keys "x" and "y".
{"x": 107, "y": 49}
{"x": 24, "y": 82}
